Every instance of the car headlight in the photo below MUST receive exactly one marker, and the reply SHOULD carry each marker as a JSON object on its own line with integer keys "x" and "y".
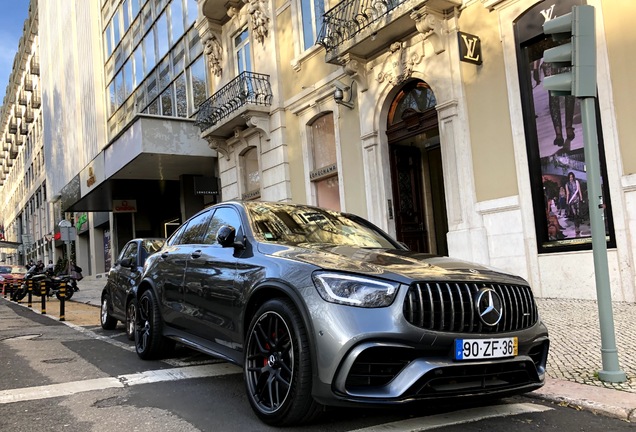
{"x": 1, "y": 279}
{"x": 355, "y": 290}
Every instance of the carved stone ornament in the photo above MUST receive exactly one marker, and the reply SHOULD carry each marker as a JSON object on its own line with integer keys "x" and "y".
{"x": 260, "y": 19}
{"x": 402, "y": 64}
{"x": 220, "y": 145}
{"x": 258, "y": 121}
{"x": 356, "y": 69}
{"x": 431, "y": 24}
{"x": 214, "y": 53}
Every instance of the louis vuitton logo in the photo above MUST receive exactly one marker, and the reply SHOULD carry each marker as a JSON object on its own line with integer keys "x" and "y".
{"x": 548, "y": 13}
{"x": 470, "y": 48}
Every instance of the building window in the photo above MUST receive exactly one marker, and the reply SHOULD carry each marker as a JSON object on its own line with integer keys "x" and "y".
{"x": 198, "y": 84}
{"x": 251, "y": 174}
{"x": 242, "y": 52}
{"x": 324, "y": 176}
{"x": 311, "y": 12}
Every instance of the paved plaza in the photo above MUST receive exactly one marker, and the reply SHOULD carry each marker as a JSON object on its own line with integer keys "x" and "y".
{"x": 575, "y": 341}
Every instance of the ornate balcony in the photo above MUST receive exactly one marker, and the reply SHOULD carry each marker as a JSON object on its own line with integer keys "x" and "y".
{"x": 36, "y": 101}
{"x": 13, "y": 126}
{"x": 362, "y": 28}
{"x": 24, "y": 128}
{"x": 35, "y": 65}
{"x": 227, "y": 109}
{"x": 28, "y": 115}
{"x": 28, "y": 84}
{"x": 22, "y": 99}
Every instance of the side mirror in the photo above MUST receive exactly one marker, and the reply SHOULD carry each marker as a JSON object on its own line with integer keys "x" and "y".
{"x": 126, "y": 262}
{"x": 226, "y": 235}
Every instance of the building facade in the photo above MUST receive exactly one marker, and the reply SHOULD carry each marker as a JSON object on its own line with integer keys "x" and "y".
{"x": 428, "y": 117}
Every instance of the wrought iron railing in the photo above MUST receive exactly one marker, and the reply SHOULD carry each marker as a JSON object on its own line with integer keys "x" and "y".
{"x": 348, "y": 18}
{"x": 248, "y": 88}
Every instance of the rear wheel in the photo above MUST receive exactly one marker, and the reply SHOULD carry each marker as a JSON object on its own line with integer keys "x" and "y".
{"x": 131, "y": 312}
{"x": 277, "y": 366}
{"x": 149, "y": 341}
{"x": 108, "y": 322}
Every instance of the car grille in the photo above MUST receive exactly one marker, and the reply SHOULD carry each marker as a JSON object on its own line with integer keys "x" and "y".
{"x": 450, "y": 307}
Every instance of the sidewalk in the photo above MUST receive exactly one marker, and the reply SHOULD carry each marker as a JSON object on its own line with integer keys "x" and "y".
{"x": 574, "y": 359}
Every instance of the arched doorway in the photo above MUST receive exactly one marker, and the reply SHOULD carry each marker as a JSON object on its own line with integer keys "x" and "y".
{"x": 417, "y": 179}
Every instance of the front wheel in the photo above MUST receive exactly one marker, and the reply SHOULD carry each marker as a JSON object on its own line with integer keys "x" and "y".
{"x": 277, "y": 367}
{"x": 107, "y": 320}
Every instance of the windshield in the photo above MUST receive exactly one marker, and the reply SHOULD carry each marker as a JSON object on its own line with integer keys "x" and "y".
{"x": 297, "y": 225}
{"x": 5, "y": 269}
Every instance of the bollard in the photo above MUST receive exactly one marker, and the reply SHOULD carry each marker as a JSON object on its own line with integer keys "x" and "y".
{"x": 62, "y": 300}
{"x": 30, "y": 292}
{"x": 14, "y": 289}
{"x": 4, "y": 293}
{"x": 43, "y": 292}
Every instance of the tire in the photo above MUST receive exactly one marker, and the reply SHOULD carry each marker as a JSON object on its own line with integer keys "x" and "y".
{"x": 277, "y": 367}
{"x": 107, "y": 320}
{"x": 131, "y": 312}
{"x": 19, "y": 294}
{"x": 149, "y": 340}
{"x": 68, "y": 294}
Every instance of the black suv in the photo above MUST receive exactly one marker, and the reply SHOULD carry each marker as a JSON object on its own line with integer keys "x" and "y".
{"x": 323, "y": 308}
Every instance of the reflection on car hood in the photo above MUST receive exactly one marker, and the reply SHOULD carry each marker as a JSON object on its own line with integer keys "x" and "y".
{"x": 405, "y": 264}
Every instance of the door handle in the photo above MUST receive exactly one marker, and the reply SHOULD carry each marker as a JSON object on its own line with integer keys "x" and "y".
{"x": 196, "y": 254}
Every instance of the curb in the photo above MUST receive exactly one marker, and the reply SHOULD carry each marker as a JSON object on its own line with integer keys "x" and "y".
{"x": 598, "y": 400}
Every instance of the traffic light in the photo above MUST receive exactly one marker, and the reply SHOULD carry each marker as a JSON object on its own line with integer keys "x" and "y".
{"x": 579, "y": 53}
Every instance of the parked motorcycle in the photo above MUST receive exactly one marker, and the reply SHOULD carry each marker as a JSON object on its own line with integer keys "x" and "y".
{"x": 52, "y": 285}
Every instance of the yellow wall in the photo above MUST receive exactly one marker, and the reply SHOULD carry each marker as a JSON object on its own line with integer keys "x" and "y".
{"x": 352, "y": 173}
{"x": 488, "y": 115}
{"x": 619, "y": 17}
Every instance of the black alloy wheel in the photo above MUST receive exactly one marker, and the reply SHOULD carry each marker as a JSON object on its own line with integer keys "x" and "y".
{"x": 277, "y": 366}
{"x": 107, "y": 320}
{"x": 131, "y": 312}
{"x": 149, "y": 342}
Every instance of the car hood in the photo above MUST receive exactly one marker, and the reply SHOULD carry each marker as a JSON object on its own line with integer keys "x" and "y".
{"x": 403, "y": 265}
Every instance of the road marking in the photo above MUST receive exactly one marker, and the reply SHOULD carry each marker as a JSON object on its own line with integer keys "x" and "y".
{"x": 70, "y": 388}
{"x": 456, "y": 418}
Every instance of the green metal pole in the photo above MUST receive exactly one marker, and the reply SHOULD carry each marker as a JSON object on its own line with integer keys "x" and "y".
{"x": 611, "y": 371}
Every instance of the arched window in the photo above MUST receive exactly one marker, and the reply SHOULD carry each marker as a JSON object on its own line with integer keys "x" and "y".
{"x": 251, "y": 174}
{"x": 324, "y": 174}
{"x": 415, "y": 97}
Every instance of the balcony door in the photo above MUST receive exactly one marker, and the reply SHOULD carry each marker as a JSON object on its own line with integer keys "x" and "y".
{"x": 417, "y": 180}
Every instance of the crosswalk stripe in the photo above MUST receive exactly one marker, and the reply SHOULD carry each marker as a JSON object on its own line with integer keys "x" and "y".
{"x": 73, "y": 387}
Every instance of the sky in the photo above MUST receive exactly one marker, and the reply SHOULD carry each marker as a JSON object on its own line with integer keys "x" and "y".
{"x": 12, "y": 17}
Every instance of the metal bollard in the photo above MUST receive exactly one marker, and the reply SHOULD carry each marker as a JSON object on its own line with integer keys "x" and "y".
{"x": 14, "y": 289}
{"x": 4, "y": 293}
{"x": 62, "y": 300}
{"x": 43, "y": 292}
{"x": 30, "y": 292}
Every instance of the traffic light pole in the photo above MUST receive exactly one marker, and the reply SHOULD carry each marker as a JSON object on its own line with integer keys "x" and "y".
{"x": 609, "y": 354}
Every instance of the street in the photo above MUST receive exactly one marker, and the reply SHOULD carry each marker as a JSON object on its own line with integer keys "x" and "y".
{"x": 76, "y": 376}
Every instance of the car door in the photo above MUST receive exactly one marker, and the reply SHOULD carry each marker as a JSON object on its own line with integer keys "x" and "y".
{"x": 169, "y": 268}
{"x": 122, "y": 277}
{"x": 211, "y": 295}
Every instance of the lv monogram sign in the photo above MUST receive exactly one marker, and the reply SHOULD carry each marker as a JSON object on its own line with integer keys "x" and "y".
{"x": 469, "y": 48}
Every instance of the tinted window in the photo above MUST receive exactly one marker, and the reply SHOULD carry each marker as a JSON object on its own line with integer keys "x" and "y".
{"x": 195, "y": 229}
{"x": 222, "y": 216}
{"x": 176, "y": 236}
{"x": 131, "y": 252}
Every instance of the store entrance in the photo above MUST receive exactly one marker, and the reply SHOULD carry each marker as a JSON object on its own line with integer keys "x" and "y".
{"x": 417, "y": 179}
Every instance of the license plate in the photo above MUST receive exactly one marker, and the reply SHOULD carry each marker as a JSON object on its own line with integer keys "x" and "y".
{"x": 472, "y": 349}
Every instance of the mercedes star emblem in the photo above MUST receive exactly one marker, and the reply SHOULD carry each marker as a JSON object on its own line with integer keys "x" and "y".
{"x": 489, "y": 306}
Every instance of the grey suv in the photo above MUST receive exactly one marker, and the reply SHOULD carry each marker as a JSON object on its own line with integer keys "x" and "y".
{"x": 323, "y": 308}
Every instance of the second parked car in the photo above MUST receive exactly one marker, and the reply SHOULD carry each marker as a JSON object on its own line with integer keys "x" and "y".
{"x": 118, "y": 294}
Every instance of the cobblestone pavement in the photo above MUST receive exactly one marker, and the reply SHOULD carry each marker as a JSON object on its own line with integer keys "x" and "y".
{"x": 575, "y": 341}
